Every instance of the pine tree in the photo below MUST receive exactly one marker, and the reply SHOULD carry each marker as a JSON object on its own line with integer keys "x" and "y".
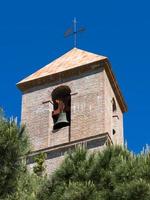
{"x": 13, "y": 148}
{"x": 16, "y": 181}
{"x": 39, "y": 168}
{"x": 112, "y": 174}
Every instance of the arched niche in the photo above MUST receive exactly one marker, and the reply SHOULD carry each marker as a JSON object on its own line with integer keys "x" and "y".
{"x": 61, "y": 113}
{"x": 114, "y": 106}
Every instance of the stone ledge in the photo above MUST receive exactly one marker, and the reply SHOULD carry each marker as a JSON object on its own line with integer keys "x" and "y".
{"x": 60, "y": 150}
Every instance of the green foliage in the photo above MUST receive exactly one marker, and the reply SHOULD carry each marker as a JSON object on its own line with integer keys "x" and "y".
{"x": 28, "y": 185}
{"x": 114, "y": 173}
{"x": 16, "y": 182}
{"x": 39, "y": 168}
{"x": 13, "y": 147}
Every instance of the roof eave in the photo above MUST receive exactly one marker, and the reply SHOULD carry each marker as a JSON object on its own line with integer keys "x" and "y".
{"x": 115, "y": 86}
{"x": 23, "y": 85}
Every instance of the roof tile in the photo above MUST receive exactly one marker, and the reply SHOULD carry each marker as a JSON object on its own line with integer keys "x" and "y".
{"x": 72, "y": 59}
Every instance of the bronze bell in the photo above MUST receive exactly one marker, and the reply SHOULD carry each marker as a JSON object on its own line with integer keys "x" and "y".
{"x": 61, "y": 121}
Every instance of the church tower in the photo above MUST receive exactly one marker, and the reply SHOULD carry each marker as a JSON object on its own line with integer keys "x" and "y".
{"x": 74, "y": 99}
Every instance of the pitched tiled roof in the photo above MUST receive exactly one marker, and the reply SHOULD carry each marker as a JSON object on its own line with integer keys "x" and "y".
{"x": 72, "y": 59}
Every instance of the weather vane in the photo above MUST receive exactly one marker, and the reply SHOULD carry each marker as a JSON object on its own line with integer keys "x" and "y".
{"x": 74, "y": 31}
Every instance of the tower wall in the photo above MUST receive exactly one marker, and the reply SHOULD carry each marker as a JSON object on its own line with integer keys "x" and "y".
{"x": 113, "y": 119}
{"x": 87, "y": 110}
{"x": 96, "y": 106}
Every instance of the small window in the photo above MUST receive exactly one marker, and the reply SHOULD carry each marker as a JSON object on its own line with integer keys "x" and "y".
{"x": 61, "y": 113}
{"x": 114, "y": 131}
{"x": 114, "y": 107}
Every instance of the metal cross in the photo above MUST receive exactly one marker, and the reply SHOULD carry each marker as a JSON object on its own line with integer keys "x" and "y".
{"x": 74, "y": 31}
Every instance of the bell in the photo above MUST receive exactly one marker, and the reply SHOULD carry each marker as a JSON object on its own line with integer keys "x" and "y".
{"x": 61, "y": 121}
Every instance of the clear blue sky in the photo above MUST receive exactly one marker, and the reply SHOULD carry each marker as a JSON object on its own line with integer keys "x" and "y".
{"x": 31, "y": 35}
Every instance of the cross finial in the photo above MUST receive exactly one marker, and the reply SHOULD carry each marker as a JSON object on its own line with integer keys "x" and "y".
{"x": 74, "y": 31}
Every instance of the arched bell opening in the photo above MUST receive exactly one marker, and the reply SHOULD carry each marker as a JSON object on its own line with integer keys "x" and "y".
{"x": 61, "y": 113}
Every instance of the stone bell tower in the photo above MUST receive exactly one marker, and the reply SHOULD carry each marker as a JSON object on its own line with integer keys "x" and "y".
{"x": 74, "y": 99}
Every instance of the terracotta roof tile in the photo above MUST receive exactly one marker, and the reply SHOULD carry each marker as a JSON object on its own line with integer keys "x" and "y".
{"x": 72, "y": 59}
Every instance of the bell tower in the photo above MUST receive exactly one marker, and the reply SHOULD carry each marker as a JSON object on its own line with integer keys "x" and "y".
{"x": 74, "y": 99}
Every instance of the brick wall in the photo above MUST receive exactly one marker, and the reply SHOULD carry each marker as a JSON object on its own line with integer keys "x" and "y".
{"x": 91, "y": 113}
{"x": 91, "y": 110}
{"x": 56, "y": 156}
{"x": 113, "y": 120}
{"x": 87, "y": 110}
